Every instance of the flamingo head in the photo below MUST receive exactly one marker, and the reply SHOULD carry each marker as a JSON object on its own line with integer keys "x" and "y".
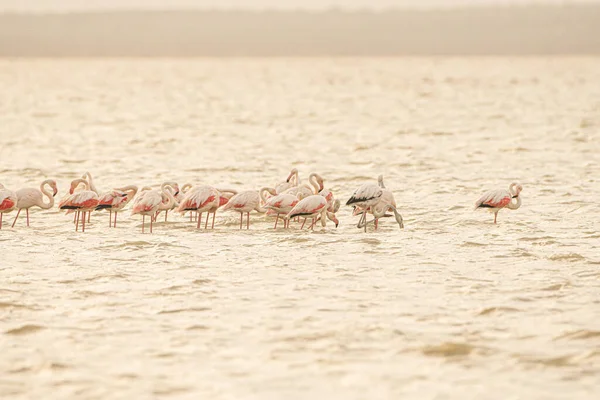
{"x": 292, "y": 174}
{"x": 336, "y": 221}
{"x": 54, "y": 189}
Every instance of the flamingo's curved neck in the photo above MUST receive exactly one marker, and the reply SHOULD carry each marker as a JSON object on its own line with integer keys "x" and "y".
{"x": 90, "y": 182}
{"x": 167, "y": 192}
{"x": 514, "y": 206}
{"x": 312, "y": 179}
{"x": 50, "y": 204}
{"x": 262, "y": 193}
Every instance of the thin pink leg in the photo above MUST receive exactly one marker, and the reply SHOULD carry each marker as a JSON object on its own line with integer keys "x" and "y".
{"x": 248, "y": 221}
{"x": 376, "y": 223}
{"x": 76, "y": 221}
{"x": 1, "y": 215}
{"x": 241, "y": 220}
{"x": 74, "y": 217}
{"x": 495, "y": 215}
{"x": 166, "y": 213}
{"x": 214, "y": 215}
{"x": 199, "y": 222}
{"x": 144, "y": 222}
{"x": 110, "y": 218}
{"x": 150, "y": 225}
{"x": 27, "y": 210}
{"x": 207, "y": 218}
{"x": 89, "y": 213}
{"x": 18, "y": 212}
{"x": 116, "y": 218}
{"x": 276, "y": 220}
{"x": 303, "y": 223}
{"x": 83, "y": 229}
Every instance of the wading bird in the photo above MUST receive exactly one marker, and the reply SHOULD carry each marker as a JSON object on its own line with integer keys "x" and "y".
{"x": 496, "y": 200}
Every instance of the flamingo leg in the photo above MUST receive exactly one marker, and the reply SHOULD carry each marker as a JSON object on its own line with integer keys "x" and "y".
{"x": 248, "y": 221}
{"x": 1, "y": 215}
{"x": 376, "y": 223}
{"x": 364, "y": 218}
{"x": 191, "y": 216}
{"x": 115, "y": 219}
{"x": 495, "y": 216}
{"x": 276, "y": 220}
{"x": 18, "y": 212}
{"x": 166, "y": 213}
{"x": 213, "y": 223}
{"x": 89, "y": 215}
{"x": 110, "y": 218}
{"x": 241, "y": 220}
{"x": 27, "y": 211}
{"x": 303, "y": 224}
{"x": 83, "y": 226}
{"x": 207, "y": 218}
{"x": 74, "y": 217}
{"x": 150, "y": 225}
{"x": 199, "y": 221}
{"x": 76, "y": 221}
{"x": 143, "y": 222}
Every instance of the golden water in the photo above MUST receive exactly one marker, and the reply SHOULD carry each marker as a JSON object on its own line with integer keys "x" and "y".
{"x": 452, "y": 307}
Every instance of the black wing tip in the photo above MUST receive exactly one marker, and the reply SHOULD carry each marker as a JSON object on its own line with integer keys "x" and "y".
{"x": 103, "y": 207}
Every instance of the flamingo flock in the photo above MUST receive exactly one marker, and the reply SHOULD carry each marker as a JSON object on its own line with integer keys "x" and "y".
{"x": 289, "y": 200}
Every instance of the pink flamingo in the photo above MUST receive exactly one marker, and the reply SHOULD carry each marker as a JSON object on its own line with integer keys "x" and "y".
{"x": 291, "y": 181}
{"x": 115, "y": 201}
{"x": 243, "y": 203}
{"x": 385, "y": 203}
{"x": 364, "y": 197}
{"x": 282, "y": 204}
{"x": 30, "y": 197}
{"x": 174, "y": 188}
{"x": 149, "y": 202}
{"x": 314, "y": 186}
{"x": 201, "y": 199}
{"x": 83, "y": 201}
{"x": 496, "y": 200}
{"x": 8, "y": 202}
{"x": 313, "y": 206}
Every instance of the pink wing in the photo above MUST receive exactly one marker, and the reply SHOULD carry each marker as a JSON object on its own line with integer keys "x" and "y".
{"x": 494, "y": 199}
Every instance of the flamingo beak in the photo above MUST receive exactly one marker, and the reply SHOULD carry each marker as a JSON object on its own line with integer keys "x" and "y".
{"x": 71, "y": 190}
{"x": 176, "y": 193}
{"x": 55, "y": 191}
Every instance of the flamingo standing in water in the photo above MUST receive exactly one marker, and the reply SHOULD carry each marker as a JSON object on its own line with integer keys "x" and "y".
{"x": 174, "y": 188}
{"x": 201, "y": 199}
{"x": 8, "y": 202}
{"x": 83, "y": 201}
{"x": 496, "y": 200}
{"x": 385, "y": 203}
{"x": 291, "y": 181}
{"x": 312, "y": 207}
{"x": 30, "y": 197}
{"x": 243, "y": 203}
{"x": 149, "y": 202}
{"x": 115, "y": 201}
{"x": 364, "y": 197}
{"x": 282, "y": 204}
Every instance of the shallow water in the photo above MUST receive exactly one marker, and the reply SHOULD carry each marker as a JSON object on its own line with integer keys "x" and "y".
{"x": 451, "y": 307}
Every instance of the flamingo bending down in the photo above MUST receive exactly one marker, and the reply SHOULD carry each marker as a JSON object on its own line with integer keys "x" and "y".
{"x": 115, "y": 201}
{"x": 364, "y": 197}
{"x": 201, "y": 199}
{"x": 385, "y": 203}
{"x": 312, "y": 207}
{"x": 282, "y": 204}
{"x": 83, "y": 201}
{"x": 149, "y": 202}
{"x": 30, "y": 197}
{"x": 496, "y": 200}
{"x": 8, "y": 202}
{"x": 243, "y": 203}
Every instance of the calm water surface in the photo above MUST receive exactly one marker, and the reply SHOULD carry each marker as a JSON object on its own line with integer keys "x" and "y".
{"x": 452, "y": 307}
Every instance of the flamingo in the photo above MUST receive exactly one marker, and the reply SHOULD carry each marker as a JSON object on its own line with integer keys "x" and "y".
{"x": 30, "y": 197}
{"x": 496, "y": 200}
{"x": 8, "y": 202}
{"x": 364, "y": 197}
{"x": 282, "y": 204}
{"x": 174, "y": 187}
{"x": 291, "y": 181}
{"x": 386, "y": 203}
{"x": 115, "y": 201}
{"x": 149, "y": 202}
{"x": 83, "y": 201}
{"x": 243, "y": 203}
{"x": 312, "y": 207}
{"x": 201, "y": 199}
{"x": 314, "y": 186}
